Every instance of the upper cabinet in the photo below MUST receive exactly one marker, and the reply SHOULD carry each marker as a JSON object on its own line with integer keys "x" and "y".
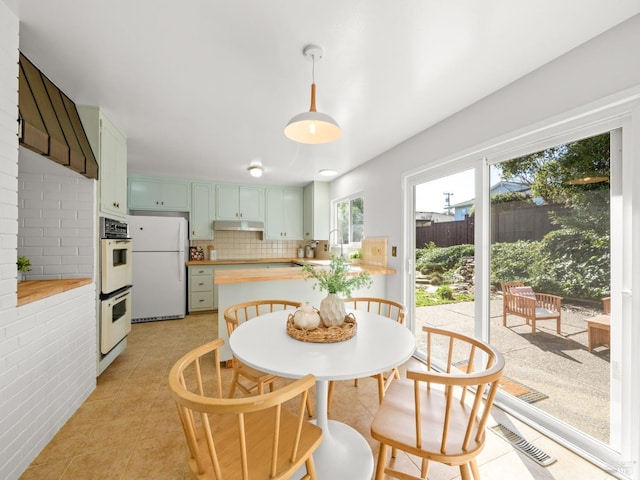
{"x": 110, "y": 147}
{"x": 284, "y": 214}
{"x": 153, "y": 193}
{"x": 239, "y": 202}
{"x": 316, "y": 211}
{"x": 201, "y": 219}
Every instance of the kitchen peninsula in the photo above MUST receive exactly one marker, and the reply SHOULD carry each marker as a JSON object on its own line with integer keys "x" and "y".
{"x": 241, "y": 285}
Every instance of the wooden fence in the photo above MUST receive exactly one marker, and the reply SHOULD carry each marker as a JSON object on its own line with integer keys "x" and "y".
{"x": 508, "y": 224}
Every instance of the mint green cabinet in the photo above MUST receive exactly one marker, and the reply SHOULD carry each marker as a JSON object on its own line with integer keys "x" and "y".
{"x": 149, "y": 193}
{"x": 202, "y": 211}
{"x": 201, "y": 288}
{"x": 316, "y": 211}
{"x": 284, "y": 214}
{"x": 110, "y": 148}
{"x": 239, "y": 202}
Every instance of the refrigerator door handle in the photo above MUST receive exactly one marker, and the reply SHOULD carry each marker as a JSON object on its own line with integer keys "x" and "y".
{"x": 181, "y": 266}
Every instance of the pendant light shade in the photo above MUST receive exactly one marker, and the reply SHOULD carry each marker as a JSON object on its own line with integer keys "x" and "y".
{"x": 312, "y": 127}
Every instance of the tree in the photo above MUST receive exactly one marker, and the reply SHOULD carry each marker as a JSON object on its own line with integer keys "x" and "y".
{"x": 574, "y": 259}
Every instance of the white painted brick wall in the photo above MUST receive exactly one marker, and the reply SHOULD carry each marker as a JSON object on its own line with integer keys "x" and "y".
{"x": 56, "y": 230}
{"x": 47, "y": 348}
{"x": 47, "y": 369}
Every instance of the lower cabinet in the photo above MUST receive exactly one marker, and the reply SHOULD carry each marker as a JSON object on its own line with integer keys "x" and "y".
{"x": 201, "y": 288}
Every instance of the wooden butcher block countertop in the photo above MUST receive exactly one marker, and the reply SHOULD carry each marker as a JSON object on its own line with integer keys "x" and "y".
{"x": 194, "y": 263}
{"x": 285, "y": 273}
{"x": 32, "y": 290}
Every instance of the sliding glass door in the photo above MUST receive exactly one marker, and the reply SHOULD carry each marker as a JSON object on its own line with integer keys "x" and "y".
{"x": 551, "y": 274}
{"x": 548, "y": 242}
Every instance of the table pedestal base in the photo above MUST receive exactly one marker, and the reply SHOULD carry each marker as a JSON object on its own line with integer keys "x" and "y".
{"x": 344, "y": 454}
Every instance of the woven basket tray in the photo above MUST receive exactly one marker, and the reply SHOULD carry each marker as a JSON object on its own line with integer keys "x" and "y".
{"x": 324, "y": 334}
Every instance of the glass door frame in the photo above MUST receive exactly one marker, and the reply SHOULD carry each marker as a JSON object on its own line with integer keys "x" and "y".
{"x": 621, "y": 116}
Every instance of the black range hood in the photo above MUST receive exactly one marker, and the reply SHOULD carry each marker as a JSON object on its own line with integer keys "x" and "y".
{"x": 49, "y": 123}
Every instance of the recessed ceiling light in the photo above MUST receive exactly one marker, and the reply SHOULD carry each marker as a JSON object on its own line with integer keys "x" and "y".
{"x": 255, "y": 170}
{"x": 327, "y": 172}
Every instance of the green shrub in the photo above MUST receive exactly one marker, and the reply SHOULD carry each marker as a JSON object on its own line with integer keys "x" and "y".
{"x": 575, "y": 263}
{"x": 445, "y": 292}
{"x": 514, "y": 261}
{"x": 441, "y": 259}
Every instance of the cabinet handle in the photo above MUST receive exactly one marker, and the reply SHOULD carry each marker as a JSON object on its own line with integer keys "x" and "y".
{"x": 201, "y": 300}
{"x": 157, "y": 202}
{"x": 201, "y": 284}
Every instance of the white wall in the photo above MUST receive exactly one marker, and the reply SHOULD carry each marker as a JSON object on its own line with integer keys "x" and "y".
{"x": 603, "y": 66}
{"x": 47, "y": 348}
{"x": 56, "y": 219}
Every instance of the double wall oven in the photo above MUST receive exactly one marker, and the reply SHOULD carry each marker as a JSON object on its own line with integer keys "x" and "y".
{"x": 115, "y": 280}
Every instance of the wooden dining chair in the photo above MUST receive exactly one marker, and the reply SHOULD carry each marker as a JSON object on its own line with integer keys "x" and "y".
{"x": 384, "y": 307}
{"x": 245, "y": 378}
{"x": 244, "y": 438}
{"x": 440, "y": 414}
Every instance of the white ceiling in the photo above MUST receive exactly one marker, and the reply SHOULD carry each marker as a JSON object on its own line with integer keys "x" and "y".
{"x": 203, "y": 87}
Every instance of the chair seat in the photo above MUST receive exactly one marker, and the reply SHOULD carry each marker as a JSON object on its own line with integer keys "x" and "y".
{"x": 395, "y": 424}
{"x": 254, "y": 374}
{"x": 259, "y": 445}
{"x": 542, "y": 313}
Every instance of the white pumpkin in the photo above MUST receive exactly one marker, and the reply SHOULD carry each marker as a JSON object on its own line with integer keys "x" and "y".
{"x": 306, "y": 317}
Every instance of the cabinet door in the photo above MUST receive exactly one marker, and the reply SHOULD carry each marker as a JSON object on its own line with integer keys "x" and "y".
{"x": 316, "y": 211}
{"x": 158, "y": 194}
{"x": 175, "y": 196}
{"x": 144, "y": 194}
{"x": 250, "y": 203}
{"x": 113, "y": 169}
{"x": 292, "y": 207}
{"x": 274, "y": 216}
{"x": 201, "y": 212}
{"x": 227, "y": 202}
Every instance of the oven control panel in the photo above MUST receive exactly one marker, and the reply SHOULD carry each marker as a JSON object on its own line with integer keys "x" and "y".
{"x": 111, "y": 228}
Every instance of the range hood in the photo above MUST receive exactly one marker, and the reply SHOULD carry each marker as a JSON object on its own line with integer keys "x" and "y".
{"x": 238, "y": 226}
{"x": 49, "y": 123}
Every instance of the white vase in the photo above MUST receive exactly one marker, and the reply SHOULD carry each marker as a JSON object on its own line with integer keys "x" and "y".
{"x": 332, "y": 311}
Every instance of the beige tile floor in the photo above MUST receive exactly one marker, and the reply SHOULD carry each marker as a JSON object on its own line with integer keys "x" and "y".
{"x": 129, "y": 428}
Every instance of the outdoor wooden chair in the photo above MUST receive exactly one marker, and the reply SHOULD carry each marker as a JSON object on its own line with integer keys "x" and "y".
{"x": 440, "y": 415}
{"x": 243, "y": 438}
{"x": 387, "y": 308}
{"x": 522, "y": 301}
{"x": 599, "y": 327}
{"x": 245, "y": 378}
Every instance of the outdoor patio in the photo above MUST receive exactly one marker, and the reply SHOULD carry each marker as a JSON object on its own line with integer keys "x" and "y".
{"x": 562, "y": 377}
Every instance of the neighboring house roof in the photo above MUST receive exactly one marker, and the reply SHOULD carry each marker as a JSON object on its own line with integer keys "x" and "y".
{"x": 500, "y": 187}
{"x": 434, "y": 217}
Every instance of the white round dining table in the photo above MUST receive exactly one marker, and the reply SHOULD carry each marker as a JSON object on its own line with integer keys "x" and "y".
{"x": 379, "y": 345}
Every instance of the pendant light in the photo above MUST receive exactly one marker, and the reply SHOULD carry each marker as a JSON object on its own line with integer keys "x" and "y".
{"x": 312, "y": 127}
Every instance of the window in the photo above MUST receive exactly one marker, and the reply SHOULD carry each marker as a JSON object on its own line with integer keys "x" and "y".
{"x": 350, "y": 220}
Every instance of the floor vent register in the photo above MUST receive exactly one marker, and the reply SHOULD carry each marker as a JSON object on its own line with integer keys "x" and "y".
{"x": 525, "y": 447}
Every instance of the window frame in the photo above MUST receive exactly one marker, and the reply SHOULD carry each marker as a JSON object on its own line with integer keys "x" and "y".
{"x": 336, "y": 221}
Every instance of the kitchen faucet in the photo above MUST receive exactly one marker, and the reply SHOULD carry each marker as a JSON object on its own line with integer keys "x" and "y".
{"x": 340, "y": 237}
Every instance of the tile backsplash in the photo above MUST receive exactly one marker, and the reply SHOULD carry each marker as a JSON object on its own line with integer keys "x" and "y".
{"x": 248, "y": 245}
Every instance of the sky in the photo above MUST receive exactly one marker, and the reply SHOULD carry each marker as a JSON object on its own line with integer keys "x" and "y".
{"x": 430, "y": 196}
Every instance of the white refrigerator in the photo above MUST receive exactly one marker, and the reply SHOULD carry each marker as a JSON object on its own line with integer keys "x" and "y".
{"x": 160, "y": 250}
